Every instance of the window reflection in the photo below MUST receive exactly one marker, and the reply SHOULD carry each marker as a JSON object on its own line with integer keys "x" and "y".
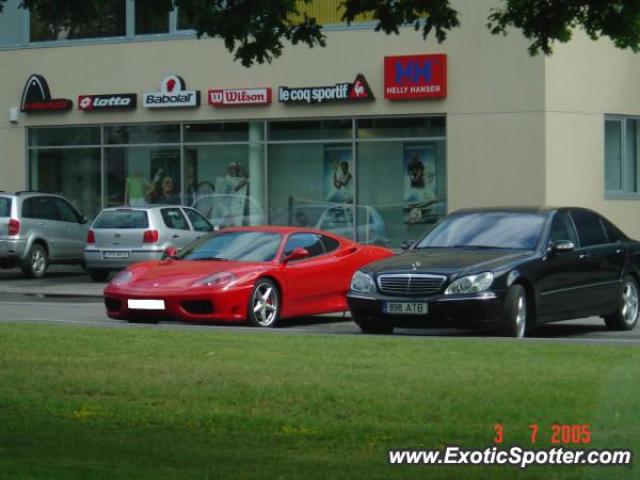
{"x": 88, "y": 20}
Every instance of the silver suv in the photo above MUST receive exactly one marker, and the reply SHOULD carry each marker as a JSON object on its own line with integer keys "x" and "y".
{"x": 124, "y": 235}
{"x": 38, "y": 229}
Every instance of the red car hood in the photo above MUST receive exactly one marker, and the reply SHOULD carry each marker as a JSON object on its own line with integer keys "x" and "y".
{"x": 181, "y": 274}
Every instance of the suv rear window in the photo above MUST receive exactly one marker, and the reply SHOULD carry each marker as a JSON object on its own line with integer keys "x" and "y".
{"x": 122, "y": 219}
{"x": 5, "y": 207}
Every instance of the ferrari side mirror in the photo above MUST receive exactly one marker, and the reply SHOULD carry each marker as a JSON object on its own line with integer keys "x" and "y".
{"x": 297, "y": 254}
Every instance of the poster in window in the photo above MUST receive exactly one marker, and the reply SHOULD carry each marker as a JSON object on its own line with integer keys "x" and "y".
{"x": 419, "y": 175}
{"x": 338, "y": 174}
{"x": 231, "y": 196}
{"x": 165, "y": 175}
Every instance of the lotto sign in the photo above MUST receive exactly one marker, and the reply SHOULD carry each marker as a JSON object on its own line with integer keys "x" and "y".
{"x": 239, "y": 96}
{"x": 415, "y": 77}
{"x": 116, "y": 101}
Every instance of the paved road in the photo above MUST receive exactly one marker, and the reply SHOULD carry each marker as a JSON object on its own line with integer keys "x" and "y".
{"x": 67, "y": 296}
{"x": 89, "y": 311}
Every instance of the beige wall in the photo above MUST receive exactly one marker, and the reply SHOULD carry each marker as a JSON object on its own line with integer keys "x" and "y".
{"x": 586, "y": 80}
{"x": 12, "y": 158}
{"x": 496, "y": 135}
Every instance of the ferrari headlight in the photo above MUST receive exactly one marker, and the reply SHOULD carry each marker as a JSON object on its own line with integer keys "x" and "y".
{"x": 122, "y": 278}
{"x": 217, "y": 280}
{"x": 363, "y": 283}
{"x": 470, "y": 284}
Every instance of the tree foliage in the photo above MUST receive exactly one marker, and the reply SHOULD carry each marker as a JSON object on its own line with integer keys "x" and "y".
{"x": 256, "y": 30}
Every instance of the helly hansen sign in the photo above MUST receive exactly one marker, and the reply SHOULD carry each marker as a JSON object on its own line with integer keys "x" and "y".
{"x": 415, "y": 77}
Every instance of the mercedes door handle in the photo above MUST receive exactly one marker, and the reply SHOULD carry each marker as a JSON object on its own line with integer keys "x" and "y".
{"x": 176, "y": 236}
{"x": 619, "y": 250}
{"x": 584, "y": 256}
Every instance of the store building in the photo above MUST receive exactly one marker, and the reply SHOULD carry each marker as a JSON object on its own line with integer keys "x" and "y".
{"x": 374, "y": 152}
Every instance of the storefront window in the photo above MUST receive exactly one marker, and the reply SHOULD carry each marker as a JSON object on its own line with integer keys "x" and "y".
{"x": 312, "y": 185}
{"x": 138, "y": 176}
{"x": 73, "y": 172}
{"x": 94, "y": 20}
{"x": 311, "y": 130}
{"x": 218, "y": 132}
{"x": 141, "y": 134}
{"x": 401, "y": 127}
{"x": 53, "y": 137}
{"x": 382, "y": 186}
{"x": 401, "y": 189}
{"x": 225, "y": 183}
{"x": 150, "y": 18}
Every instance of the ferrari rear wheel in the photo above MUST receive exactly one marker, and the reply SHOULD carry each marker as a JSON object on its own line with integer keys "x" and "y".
{"x": 264, "y": 304}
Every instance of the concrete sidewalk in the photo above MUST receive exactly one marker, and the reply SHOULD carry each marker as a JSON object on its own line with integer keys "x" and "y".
{"x": 60, "y": 280}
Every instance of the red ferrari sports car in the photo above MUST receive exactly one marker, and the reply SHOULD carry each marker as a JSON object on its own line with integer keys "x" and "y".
{"x": 254, "y": 274}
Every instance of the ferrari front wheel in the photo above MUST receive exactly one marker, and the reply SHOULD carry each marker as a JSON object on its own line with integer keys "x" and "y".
{"x": 264, "y": 304}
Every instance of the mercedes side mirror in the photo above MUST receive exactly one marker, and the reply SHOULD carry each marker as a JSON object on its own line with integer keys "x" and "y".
{"x": 408, "y": 244}
{"x": 297, "y": 254}
{"x": 559, "y": 246}
{"x": 169, "y": 252}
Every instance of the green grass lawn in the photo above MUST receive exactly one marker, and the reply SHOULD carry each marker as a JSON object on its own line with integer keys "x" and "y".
{"x": 138, "y": 403}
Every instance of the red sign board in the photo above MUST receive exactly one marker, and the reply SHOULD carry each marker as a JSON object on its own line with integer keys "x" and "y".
{"x": 239, "y": 96}
{"x": 415, "y": 77}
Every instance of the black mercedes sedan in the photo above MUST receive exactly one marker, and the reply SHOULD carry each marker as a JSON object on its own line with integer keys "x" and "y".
{"x": 509, "y": 269}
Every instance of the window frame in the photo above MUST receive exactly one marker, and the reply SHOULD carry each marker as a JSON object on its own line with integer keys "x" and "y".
{"x": 623, "y": 193}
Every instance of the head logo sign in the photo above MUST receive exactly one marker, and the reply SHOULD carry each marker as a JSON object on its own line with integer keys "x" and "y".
{"x": 172, "y": 94}
{"x": 357, "y": 91}
{"x": 37, "y": 98}
{"x": 415, "y": 77}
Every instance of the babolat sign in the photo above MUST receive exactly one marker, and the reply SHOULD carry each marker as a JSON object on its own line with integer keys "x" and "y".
{"x": 36, "y": 97}
{"x": 358, "y": 90}
{"x": 115, "y": 101}
{"x": 172, "y": 94}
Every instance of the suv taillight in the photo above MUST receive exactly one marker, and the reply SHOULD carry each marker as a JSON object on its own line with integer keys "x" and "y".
{"x": 150, "y": 236}
{"x": 91, "y": 237}
{"x": 14, "y": 226}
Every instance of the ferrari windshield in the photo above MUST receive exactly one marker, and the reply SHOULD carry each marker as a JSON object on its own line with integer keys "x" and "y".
{"x": 238, "y": 246}
{"x": 511, "y": 230}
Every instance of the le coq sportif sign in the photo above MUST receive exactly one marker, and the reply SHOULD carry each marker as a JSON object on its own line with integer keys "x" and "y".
{"x": 355, "y": 91}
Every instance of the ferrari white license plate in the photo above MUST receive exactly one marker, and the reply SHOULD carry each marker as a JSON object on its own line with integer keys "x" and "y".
{"x": 145, "y": 304}
{"x": 115, "y": 254}
{"x": 406, "y": 308}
